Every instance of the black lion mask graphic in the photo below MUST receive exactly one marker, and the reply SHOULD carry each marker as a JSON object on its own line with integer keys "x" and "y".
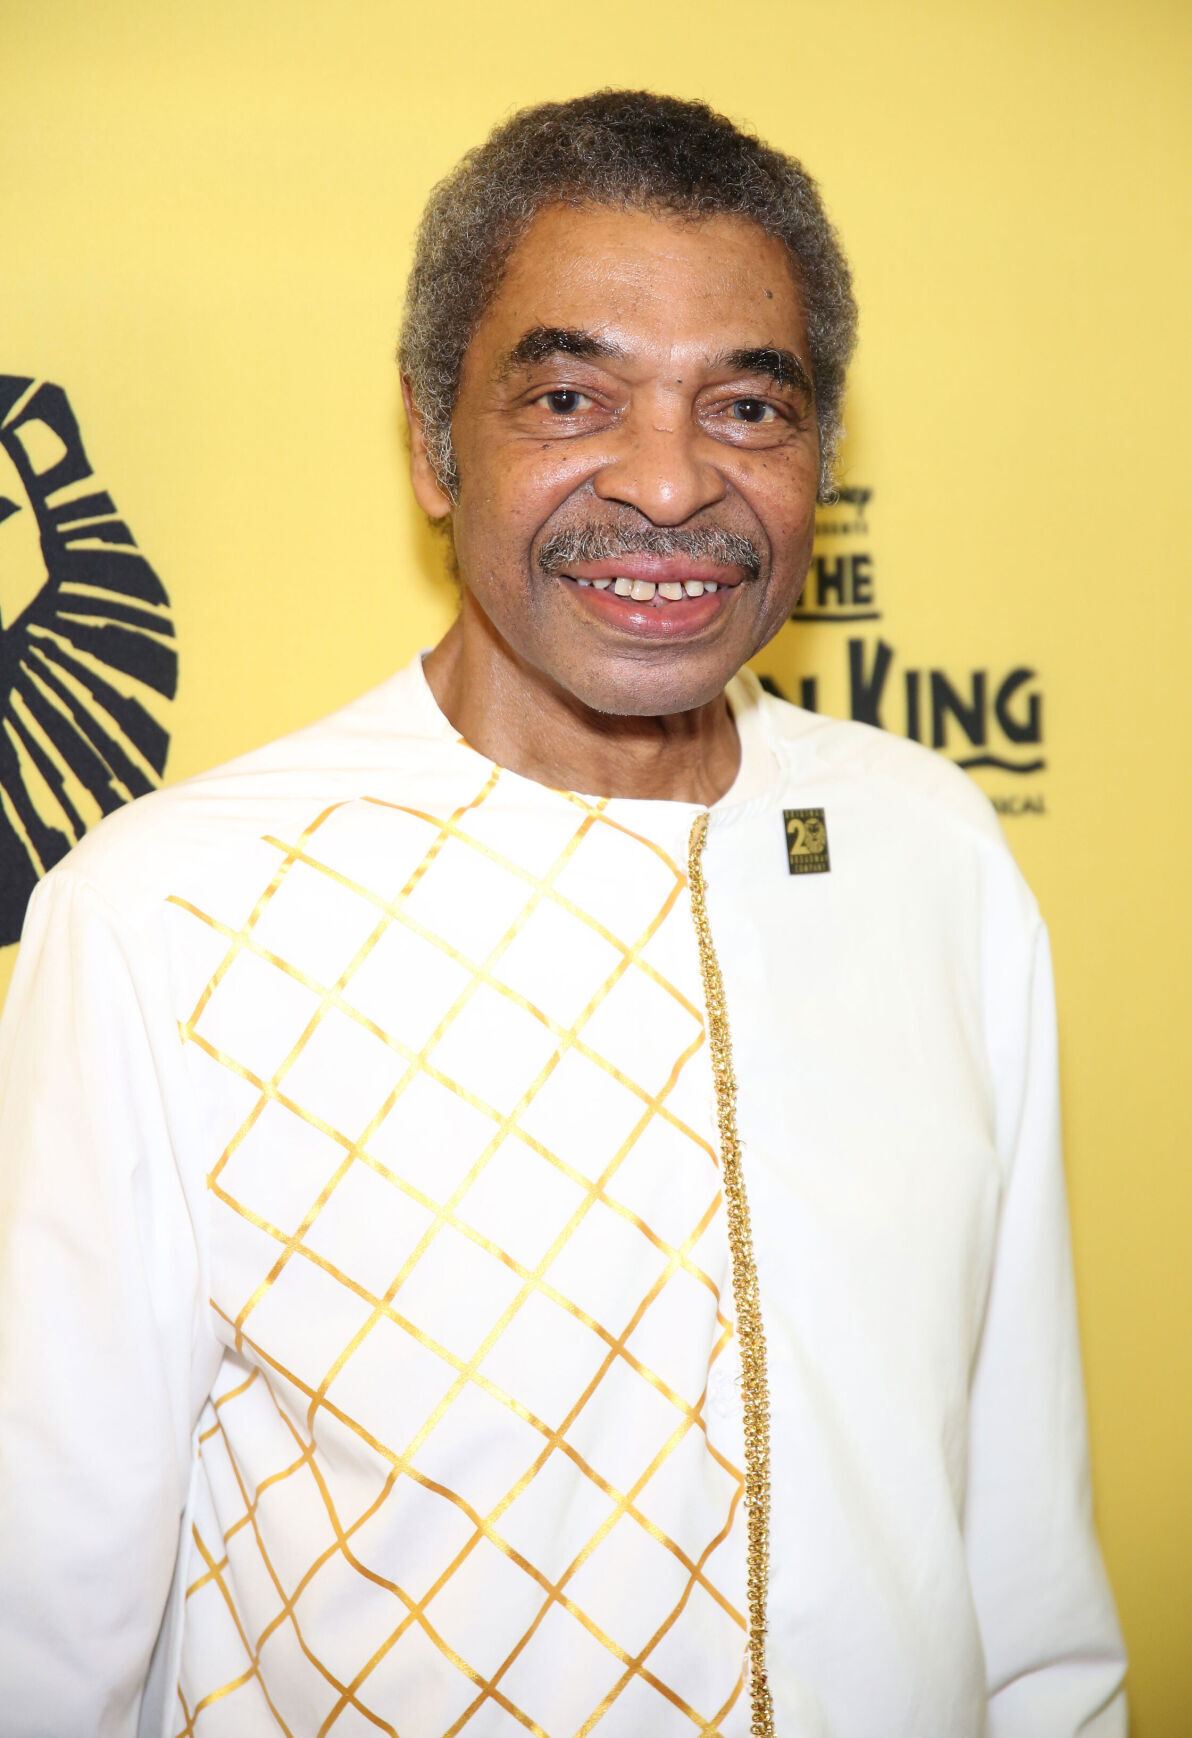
{"x": 85, "y": 638}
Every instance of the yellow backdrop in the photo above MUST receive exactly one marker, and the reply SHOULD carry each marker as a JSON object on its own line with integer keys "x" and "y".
{"x": 207, "y": 215}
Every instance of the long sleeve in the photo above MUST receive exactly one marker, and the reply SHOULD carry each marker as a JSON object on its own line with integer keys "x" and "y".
{"x": 101, "y": 1334}
{"x": 1053, "y": 1650}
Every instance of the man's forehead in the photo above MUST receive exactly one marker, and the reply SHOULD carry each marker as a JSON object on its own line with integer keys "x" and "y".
{"x": 570, "y": 243}
{"x": 589, "y": 280}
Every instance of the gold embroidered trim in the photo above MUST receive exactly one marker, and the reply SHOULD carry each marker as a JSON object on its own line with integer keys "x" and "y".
{"x": 750, "y": 1331}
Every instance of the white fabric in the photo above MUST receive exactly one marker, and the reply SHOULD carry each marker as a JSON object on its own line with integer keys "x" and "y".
{"x": 758, "y": 771}
{"x": 357, "y": 1122}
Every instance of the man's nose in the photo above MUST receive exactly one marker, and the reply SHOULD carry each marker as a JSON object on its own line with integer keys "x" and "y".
{"x": 661, "y": 467}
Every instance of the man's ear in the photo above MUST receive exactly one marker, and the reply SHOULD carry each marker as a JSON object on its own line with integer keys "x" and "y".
{"x": 428, "y": 491}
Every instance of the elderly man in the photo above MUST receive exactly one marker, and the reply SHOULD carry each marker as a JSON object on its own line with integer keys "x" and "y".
{"x": 534, "y": 1204}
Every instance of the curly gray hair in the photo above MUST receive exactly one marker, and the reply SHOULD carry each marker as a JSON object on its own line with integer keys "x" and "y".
{"x": 619, "y": 148}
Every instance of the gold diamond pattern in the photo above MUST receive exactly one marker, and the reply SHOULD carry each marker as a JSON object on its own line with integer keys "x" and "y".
{"x": 504, "y": 1490}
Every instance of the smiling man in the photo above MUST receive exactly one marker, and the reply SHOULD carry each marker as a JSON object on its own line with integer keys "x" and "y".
{"x": 638, "y": 459}
{"x": 535, "y": 1204}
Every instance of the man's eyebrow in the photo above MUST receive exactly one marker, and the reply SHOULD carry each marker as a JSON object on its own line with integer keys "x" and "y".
{"x": 781, "y": 366}
{"x": 542, "y": 342}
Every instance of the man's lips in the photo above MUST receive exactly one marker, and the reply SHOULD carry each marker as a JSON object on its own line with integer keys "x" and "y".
{"x": 656, "y": 569}
{"x": 651, "y": 617}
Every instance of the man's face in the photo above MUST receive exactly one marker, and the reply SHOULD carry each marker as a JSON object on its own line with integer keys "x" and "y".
{"x": 635, "y": 411}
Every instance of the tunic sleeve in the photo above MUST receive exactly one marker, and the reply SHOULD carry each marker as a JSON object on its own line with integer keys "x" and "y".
{"x": 101, "y": 1333}
{"x": 1054, "y": 1654}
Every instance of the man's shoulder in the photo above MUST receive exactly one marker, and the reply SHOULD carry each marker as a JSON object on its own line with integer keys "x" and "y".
{"x": 880, "y": 769}
{"x": 917, "y": 825}
{"x": 205, "y": 825}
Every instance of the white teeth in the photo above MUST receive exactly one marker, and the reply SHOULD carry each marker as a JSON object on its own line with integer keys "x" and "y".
{"x": 583, "y": 582}
{"x": 646, "y": 591}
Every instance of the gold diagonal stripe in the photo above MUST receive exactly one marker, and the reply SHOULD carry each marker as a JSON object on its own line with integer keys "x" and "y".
{"x": 639, "y": 1658}
{"x": 719, "y": 1718}
{"x": 275, "y": 1478}
{"x": 599, "y": 808}
{"x": 258, "y": 909}
{"x": 188, "y": 1729}
{"x": 253, "y": 1670}
{"x": 287, "y": 1611}
{"x": 231, "y": 1394}
{"x": 306, "y": 1456}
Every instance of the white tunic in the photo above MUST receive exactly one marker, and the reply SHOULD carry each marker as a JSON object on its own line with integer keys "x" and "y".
{"x": 368, "y": 1357}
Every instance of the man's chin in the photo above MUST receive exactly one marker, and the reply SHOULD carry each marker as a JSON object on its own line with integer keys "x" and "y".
{"x": 648, "y": 689}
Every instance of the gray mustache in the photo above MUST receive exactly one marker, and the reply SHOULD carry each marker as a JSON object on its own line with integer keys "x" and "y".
{"x": 606, "y": 543}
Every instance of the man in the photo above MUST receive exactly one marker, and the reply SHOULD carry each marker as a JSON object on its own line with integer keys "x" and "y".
{"x": 534, "y": 1204}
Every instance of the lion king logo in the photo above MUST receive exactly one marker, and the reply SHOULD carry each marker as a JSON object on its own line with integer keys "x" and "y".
{"x": 85, "y": 636}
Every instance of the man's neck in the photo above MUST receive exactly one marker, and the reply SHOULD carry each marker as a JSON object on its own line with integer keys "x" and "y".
{"x": 520, "y": 720}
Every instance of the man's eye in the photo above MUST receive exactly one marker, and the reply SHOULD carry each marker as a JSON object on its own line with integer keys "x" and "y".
{"x": 565, "y": 401}
{"x": 753, "y": 410}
